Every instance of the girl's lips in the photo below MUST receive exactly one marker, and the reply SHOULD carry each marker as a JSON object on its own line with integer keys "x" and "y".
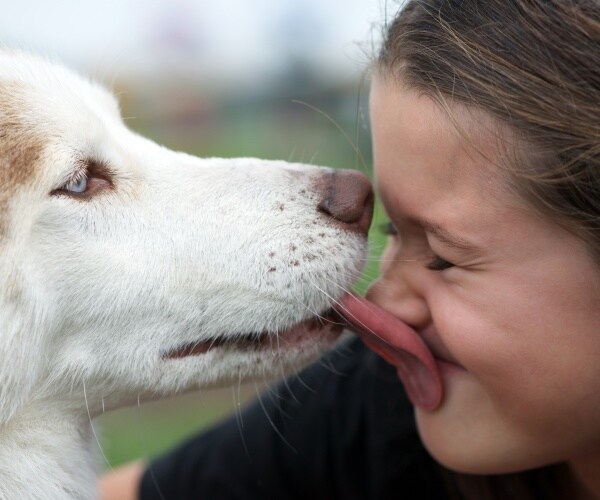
{"x": 441, "y": 354}
{"x": 399, "y": 345}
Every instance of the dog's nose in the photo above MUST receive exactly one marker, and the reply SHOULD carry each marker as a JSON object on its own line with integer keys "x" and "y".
{"x": 347, "y": 198}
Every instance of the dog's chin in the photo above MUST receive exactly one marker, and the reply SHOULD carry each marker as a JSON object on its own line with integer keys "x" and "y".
{"x": 318, "y": 330}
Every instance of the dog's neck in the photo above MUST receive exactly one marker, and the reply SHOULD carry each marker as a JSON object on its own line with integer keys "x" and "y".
{"x": 47, "y": 452}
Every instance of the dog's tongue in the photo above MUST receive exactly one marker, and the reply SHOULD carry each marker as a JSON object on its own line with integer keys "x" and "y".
{"x": 399, "y": 345}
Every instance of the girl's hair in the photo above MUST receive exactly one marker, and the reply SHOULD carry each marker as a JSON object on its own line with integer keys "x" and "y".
{"x": 534, "y": 65}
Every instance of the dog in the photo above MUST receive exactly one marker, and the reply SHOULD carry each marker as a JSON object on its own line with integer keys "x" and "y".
{"x": 128, "y": 269}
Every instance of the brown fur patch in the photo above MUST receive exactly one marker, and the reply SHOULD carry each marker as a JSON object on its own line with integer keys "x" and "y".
{"x": 20, "y": 145}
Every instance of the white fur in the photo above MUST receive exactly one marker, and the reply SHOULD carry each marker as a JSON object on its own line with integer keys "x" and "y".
{"x": 94, "y": 292}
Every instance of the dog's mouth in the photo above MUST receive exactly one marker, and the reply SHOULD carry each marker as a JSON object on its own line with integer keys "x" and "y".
{"x": 327, "y": 324}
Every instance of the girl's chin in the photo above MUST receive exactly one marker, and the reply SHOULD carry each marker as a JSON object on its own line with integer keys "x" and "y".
{"x": 450, "y": 432}
{"x": 465, "y": 434}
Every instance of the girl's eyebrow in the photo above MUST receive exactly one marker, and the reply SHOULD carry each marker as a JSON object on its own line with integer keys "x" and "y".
{"x": 439, "y": 232}
{"x": 443, "y": 235}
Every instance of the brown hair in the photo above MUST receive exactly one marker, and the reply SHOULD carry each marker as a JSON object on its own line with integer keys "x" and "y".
{"x": 533, "y": 65}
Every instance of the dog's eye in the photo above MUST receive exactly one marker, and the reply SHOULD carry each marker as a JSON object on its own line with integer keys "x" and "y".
{"x": 95, "y": 177}
{"x": 78, "y": 185}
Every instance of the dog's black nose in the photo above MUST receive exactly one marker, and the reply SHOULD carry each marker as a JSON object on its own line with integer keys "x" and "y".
{"x": 347, "y": 198}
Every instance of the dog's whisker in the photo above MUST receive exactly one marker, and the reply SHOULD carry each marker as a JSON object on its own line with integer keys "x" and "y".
{"x": 239, "y": 416}
{"x": 289, "y": 389}
{"x": 333, "y": 301}
{"x": 278, "y": 344}
{"x": 237, "y": 400}
{"x": 87, "y": 407}
{"x": 291, "y": 155}
{"x": 307, "y": 307}
{"x": 328, "y": 365}
{"x": 336, "y": 284}
{"x": 348, "y": 313}
{"x": 278, "y": 398}
{"x": 143, "y": 440}
{"x": 345, "y": 135}
{"x": 298, "y": 377}
{"x": 302, "y": 156}
{"x": 358, "y": 321}
{"x": 376, "y": 259}
{"x": 357, "y": 123}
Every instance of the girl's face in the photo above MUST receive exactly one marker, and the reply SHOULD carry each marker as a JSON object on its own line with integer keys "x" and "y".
{"x": 507, "y": 301}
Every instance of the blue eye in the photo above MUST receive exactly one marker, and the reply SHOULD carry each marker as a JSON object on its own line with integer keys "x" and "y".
{"x": 78, "y": 185}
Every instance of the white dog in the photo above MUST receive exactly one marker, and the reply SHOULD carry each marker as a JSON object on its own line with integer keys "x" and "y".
{"x": 127, "y": 269}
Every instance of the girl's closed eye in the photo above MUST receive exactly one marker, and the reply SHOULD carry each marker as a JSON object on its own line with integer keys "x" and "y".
{"x": 435, "y": 264}
{"x": 388, "y": 228}
{"x": 439, "y": 264}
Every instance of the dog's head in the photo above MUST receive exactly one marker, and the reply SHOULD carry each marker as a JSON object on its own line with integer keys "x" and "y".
{"x": 131, "y": 268}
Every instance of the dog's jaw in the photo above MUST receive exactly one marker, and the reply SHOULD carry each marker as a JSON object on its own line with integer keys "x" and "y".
{"x": 311, "y": 331}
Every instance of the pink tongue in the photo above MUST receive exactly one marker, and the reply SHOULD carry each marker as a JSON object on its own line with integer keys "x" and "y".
{"x": 399, "y": 345}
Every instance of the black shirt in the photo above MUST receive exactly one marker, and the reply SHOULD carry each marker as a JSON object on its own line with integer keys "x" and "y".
{"x": 341, "y": 429}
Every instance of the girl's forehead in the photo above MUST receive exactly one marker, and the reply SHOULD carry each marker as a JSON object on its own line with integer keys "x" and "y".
{"x": 412, "y": 131}
{"x": 429, "y": 166}
{"x": 437, "y": 114}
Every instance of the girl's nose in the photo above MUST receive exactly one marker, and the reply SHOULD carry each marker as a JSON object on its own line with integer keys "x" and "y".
{"x": 398, "y": 292}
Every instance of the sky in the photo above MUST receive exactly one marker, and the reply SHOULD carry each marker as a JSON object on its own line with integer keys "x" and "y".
{"x": 222, "y": 39}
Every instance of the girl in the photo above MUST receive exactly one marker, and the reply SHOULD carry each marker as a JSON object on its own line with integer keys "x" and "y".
{"x": 486, "y": 133}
